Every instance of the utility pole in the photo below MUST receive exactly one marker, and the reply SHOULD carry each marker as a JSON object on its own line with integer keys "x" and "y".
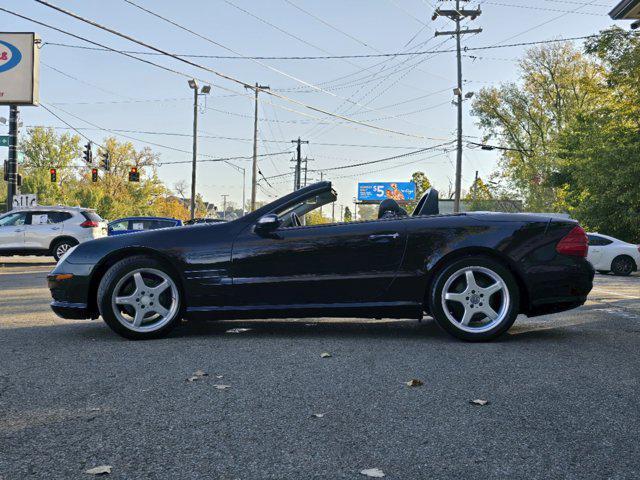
{"x": 224, "y": 206}
{"x": 457, "y": 15}
{"x": 254, "y": 166}
{"x": 12, "y": 163}
{"x": 298, "y": 171}
{"x": 475, "y": 186}
{"x": 206, "y": 89}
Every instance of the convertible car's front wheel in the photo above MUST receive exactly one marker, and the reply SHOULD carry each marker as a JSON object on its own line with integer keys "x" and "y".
{"x": 474, "y": 298}
{"x": 139, "y": 299}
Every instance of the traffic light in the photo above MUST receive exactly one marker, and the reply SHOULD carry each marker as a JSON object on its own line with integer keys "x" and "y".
{"x": 106, "y": 161}
{"x": 88, "y": 153}
{"x": 94, "y": 175}
{"x": 54, "y": 175}
{"x": 134, "y": 175}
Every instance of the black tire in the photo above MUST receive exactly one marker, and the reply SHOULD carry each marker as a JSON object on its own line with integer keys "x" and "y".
{"x": 61, "y": 246}
{"x": 623, "y": 265}
{"x": 510, "y": 312}
{"x": 109, "y": 282}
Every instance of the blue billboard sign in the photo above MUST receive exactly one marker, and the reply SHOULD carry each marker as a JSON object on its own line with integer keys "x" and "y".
{"x": 378, "y": 191}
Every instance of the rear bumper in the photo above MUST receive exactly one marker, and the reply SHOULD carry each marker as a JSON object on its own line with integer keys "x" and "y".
{"x": 561, "y": 290}
{"x": 71, "y": 311}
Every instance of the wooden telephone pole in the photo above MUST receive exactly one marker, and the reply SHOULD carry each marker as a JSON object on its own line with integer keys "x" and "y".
{"x": 457, "y": 14}
{"x": 254, "y": 166}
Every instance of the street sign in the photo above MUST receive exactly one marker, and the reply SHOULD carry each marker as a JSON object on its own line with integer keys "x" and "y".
{"x": 378, "y": 191}
{"x": 25, "y": 201}
{"x": 19, "y": 68}
{"x": 4, "y": 140}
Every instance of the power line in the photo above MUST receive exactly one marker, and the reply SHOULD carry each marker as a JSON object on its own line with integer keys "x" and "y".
{"x": 214, "y": 42}
{"x": 324, "y": 57}
{"x": 104, "y": 90}
{"x": 529, "y": 7}
{"x": 221, "y": 75}
{"x": 203, "y": 134}
{"x": 68, "y": 124}
{"x": 370, "y": 162}
{"x": 547, "y": 22}
{"x": 208, "y": 158}
{"x": 224, "y": 159}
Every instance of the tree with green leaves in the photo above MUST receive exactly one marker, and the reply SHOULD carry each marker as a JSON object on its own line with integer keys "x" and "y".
{"x": 599, "y": 169}
{"x": 557, "y": 83}
{"x": 479, "y": 197}
{"x": 422, "y": 185}
{"x": 112, "y": 196}
{"x": 347, "y": 217}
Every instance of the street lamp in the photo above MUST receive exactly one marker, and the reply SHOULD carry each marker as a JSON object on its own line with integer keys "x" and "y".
{"x": 206, "y": 89}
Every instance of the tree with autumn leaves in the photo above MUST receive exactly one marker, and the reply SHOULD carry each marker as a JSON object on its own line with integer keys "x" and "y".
{"x": 572, "y": 129}
{"x": 112, "y": 196}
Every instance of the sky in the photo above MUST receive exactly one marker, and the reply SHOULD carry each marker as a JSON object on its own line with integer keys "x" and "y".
{"x": 407, "y": 97}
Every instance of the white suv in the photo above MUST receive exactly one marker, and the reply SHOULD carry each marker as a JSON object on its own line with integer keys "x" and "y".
{"x": 48, "y": 230}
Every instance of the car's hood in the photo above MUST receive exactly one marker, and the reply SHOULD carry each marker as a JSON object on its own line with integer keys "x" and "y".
{"x": 91, "y": 251}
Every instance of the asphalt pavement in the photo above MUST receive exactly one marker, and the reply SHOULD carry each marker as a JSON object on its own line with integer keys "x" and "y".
{"x": 562, "y": 391}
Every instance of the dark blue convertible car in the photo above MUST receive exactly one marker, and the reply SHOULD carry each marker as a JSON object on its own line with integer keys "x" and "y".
{"x": 472, "y": 272}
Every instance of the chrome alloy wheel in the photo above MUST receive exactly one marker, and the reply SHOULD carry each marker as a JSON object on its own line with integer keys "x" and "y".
{"x": 475, "y": 299}
{"x": 145, "y": 300}
{"x": 62, "y": 249}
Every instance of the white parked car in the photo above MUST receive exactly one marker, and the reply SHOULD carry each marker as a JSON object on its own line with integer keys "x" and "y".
{"x": 48, "y": 230}
{"x": 608, "y": 254}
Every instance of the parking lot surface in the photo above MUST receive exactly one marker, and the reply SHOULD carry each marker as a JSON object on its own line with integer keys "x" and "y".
{"x": 562, "y": 394}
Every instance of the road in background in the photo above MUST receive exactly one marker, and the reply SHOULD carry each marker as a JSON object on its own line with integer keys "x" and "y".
{"x": 562, "y": 392}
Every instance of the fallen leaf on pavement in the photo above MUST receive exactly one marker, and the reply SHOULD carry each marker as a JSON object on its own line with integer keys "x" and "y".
{"x": 237, "y": 330}
{"x": 222, "y": 387}
{"x": 317, "y": 415}
{"x": 197, "y": 375}
{"x": 101, "y": 470}
{"x": 325, "y": 355}
{"x": 479, "y": 402}
{"x": 414, "y": 383}
{"x": 373, "y": 472}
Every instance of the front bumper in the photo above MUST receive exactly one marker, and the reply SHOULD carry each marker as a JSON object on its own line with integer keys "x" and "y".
{"x": 72, "y": 311}
{"x": 69, "y": 287}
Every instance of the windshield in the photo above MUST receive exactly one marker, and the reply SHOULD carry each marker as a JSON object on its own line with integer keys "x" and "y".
{"x": 306, "y": 210}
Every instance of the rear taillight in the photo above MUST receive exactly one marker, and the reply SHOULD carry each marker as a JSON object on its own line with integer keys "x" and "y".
{"x": 89, "y": 224}
{"x": 575, "y": 243}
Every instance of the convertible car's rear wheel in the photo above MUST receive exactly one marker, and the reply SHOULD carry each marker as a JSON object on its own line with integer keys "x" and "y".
{"x": 475, "y": 298}
{"x": 139, "y": 299}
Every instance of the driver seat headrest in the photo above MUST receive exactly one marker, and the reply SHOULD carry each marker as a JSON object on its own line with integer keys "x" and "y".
{"x": 389, "y": 208}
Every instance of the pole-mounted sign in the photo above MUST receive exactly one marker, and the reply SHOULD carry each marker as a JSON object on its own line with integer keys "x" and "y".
{"x": 19, "y": 84}
{"x": 19, "y": 68}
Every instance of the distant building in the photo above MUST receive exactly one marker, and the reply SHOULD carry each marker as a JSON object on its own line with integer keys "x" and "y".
{"x": 627, "y": 10}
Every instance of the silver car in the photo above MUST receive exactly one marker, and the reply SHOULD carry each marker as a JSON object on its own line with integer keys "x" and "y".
{"x": 48, "y": 230}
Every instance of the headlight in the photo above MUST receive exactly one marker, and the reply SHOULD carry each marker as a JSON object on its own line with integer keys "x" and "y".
{"x": 67, "y": 253}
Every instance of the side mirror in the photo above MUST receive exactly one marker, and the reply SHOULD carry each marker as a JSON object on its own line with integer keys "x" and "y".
{"x": 267, "y": 224}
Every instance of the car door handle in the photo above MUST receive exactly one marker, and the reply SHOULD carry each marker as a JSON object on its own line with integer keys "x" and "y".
{"x": 18, "y": 230}
{"x": 55, "y": 228}
{"x": 383, "y": 237}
